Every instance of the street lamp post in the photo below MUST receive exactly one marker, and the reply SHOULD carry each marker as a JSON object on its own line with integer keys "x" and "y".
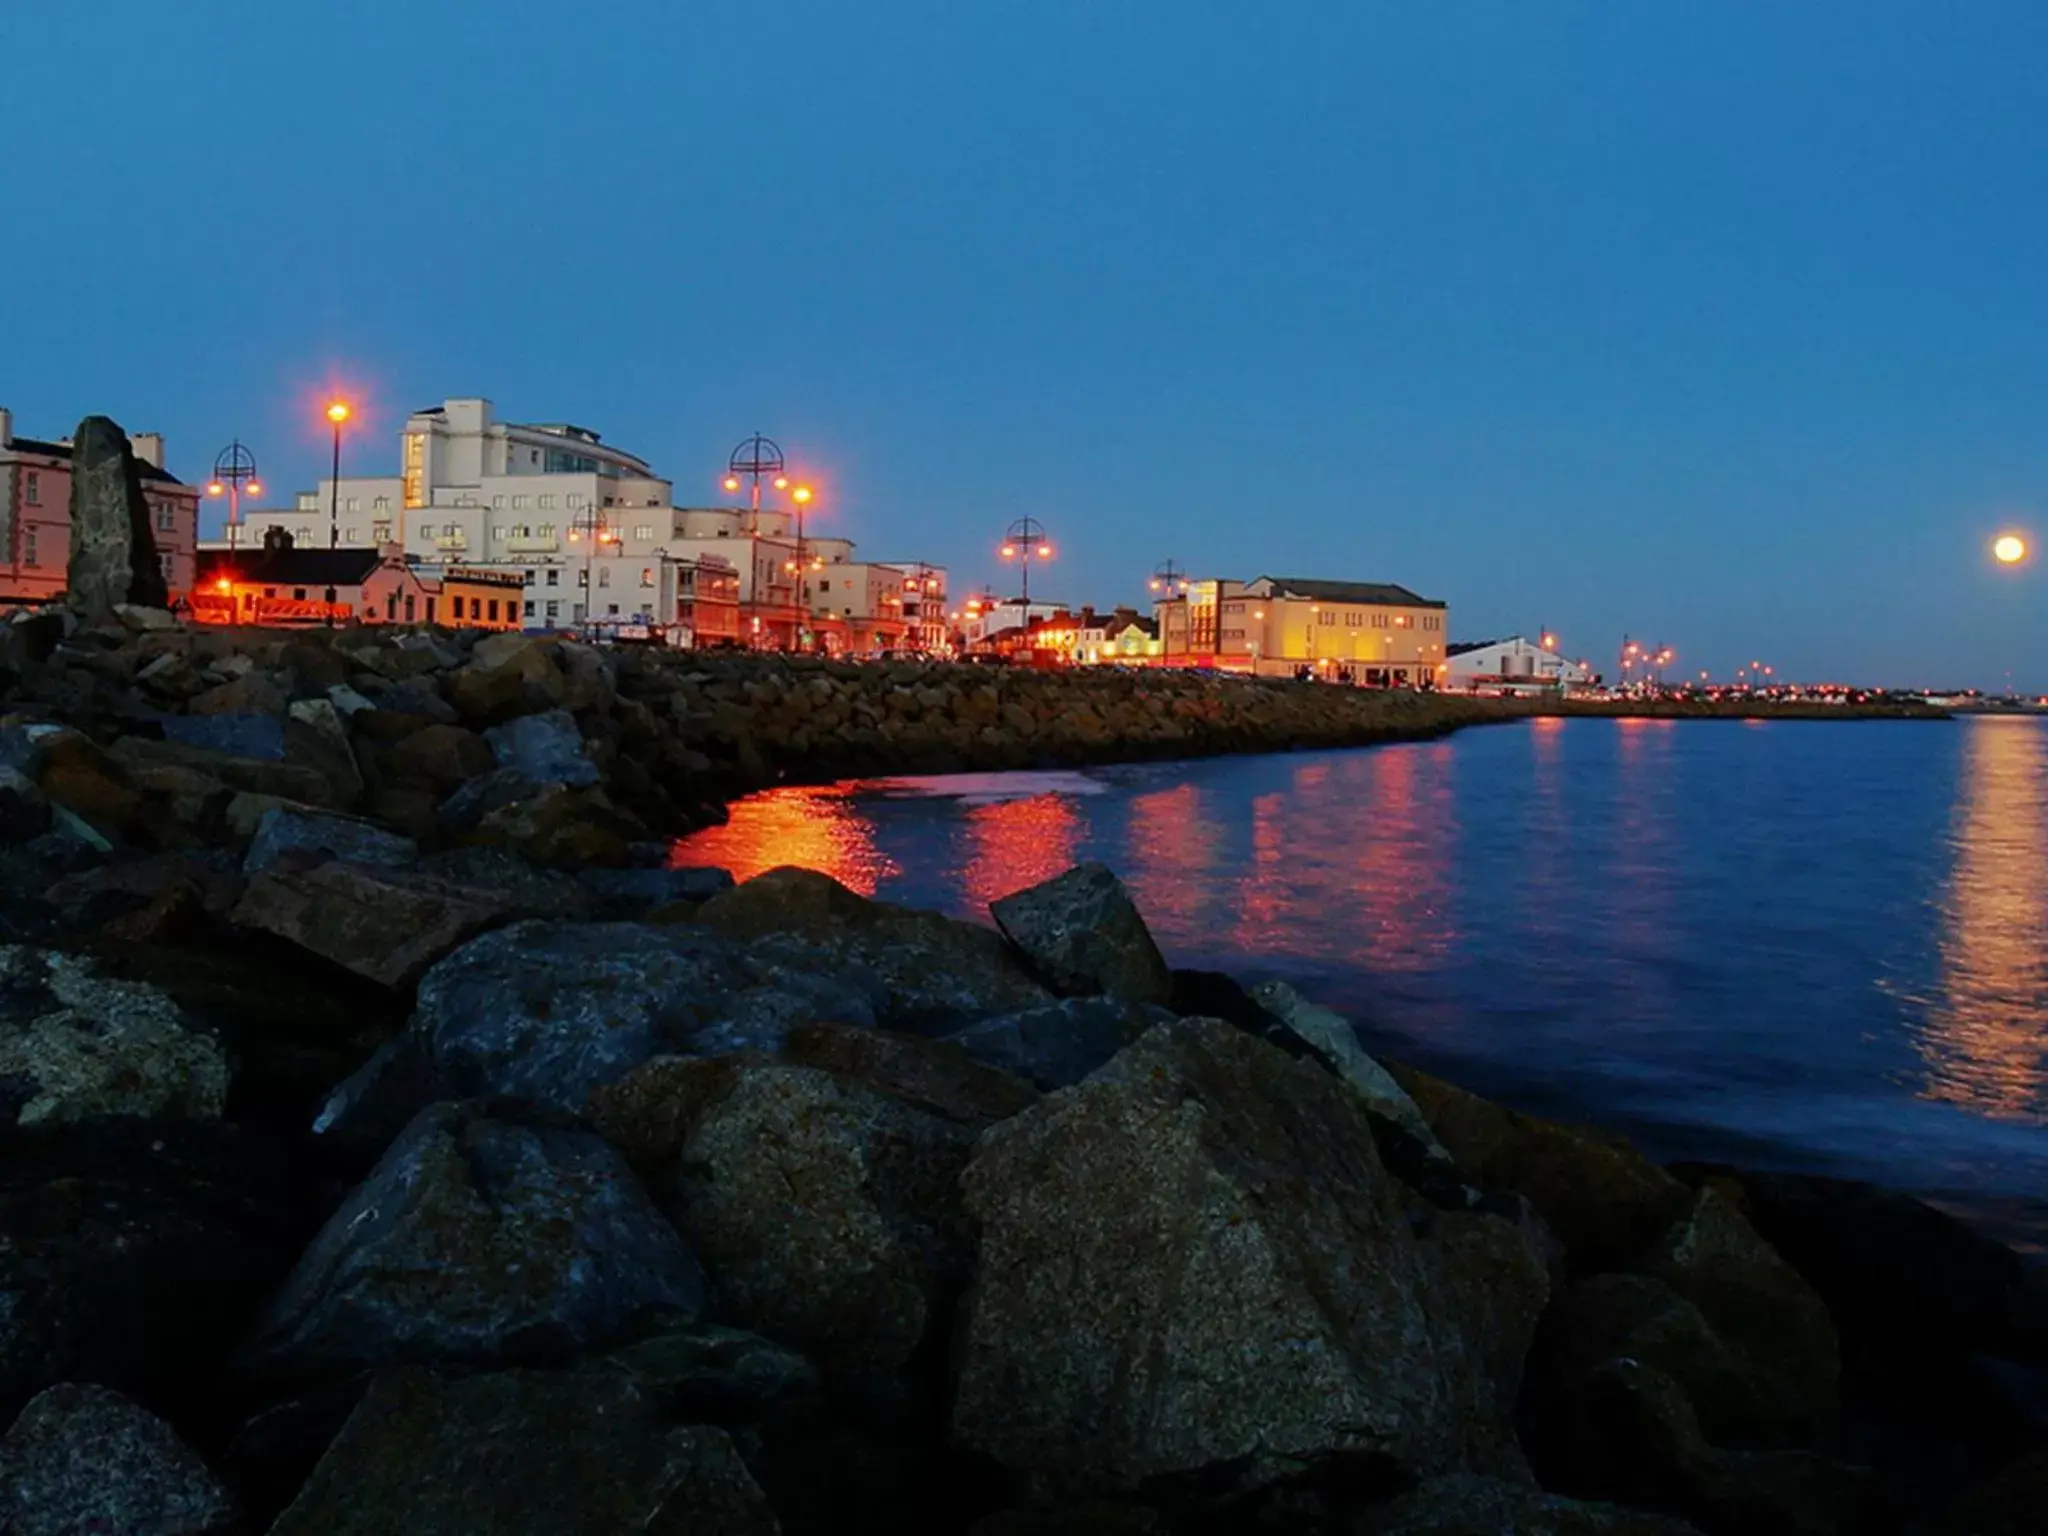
{"x": 591, "y": 528}
{"x": 1027, "y": 541}
{"x": 756, "y": 458}
{"x": 337, "y": 413}
{"x": 1168, "y": 579}
{"x": 802, "y": 571}
{"x": 234, "y": 471}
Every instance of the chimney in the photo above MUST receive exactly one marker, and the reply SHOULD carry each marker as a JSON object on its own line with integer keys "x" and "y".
{"x": 148, "y": 447}
{"x": 6, "y": 426}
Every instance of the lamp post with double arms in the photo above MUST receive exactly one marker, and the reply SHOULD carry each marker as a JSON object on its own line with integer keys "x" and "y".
{"x": 234, "y": 472}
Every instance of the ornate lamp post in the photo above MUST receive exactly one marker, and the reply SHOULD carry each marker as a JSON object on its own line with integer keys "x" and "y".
{"x": 234, "y": 471}
{"x": 1025, "y": 542}
{"x": 801, "y": 569}
{"x": 755, "y": 459}
{"x": 591, "y": 528}
{"x": 1169, "y": 580}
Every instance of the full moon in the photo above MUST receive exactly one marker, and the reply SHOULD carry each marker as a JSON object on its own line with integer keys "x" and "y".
{"x": 2009, "y": 549}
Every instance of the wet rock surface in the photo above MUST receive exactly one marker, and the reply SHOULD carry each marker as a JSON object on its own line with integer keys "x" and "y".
{"x": 85, "y": 1459}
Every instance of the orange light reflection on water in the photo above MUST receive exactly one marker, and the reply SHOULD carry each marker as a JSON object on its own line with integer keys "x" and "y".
{"x": 1013, "y": 844}
{"x": 1982, "y": 1044}
{"x": 811, "y": 828}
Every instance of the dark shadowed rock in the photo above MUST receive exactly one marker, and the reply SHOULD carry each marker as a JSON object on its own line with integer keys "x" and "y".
{"x": 283, "y": 781}
{"x": 704, "y": 1372}
{"x": 524, "y": 1453}
{"x": 290, "y": 833}
{"x": 1464, "y": 1505}
{"x": 251, "y": 736}
{"x": 635, "y": 893}
{"x": 387, "y": 925}
{"x": 940, "y": 973}
{"x": 1757, "y": 1303}
{"x": 75, "y": 1043}
{"x": 369, "y": 1108}
{"x": 2011, "y": 1502}
{"x": 1083, "y": 935}
{"x": 935, "y": 1076}
{"x": 543, "y": 749}
{"x": 84, "y": 1459}
{"x": 113, "y": 552}
{"x": 485, "y": 1236}
{"x": 549, "y": 1011}
{"x": 1194, "y": 1264}
{"x": 24, "y": 812}
{"x": 1055, "y": 1045}
{"x": 508, "y": 676}
{"x": 135, "y": 1253}
{"x": 442, "y": 756}
{"x": 827, "y": 1213}
{"x": 1605, "y": 1200}
{"x": 530, "y": 891}
{"x": 563, "y": 828}
{"x": 1331, "y": 1034}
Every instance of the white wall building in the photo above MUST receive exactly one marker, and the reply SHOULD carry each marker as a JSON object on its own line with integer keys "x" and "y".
{"x": 1514, "y": 662}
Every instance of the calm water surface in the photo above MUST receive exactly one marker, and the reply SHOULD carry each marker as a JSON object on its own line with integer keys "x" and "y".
{"x": 1815, "y": 945}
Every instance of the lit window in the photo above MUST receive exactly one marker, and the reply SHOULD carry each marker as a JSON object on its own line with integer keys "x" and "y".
{"x": 413, "y": 469}
{"x": 354, "y": 534}
{"x": 518, "y": 502}
{"x": 547, "y": 502}
{"x": 381, "y": 504}
{"x": 426, "y": 530}
{"x": 497, "y": 501}
{"x": 355, "y": 504}
{"x": 583, "y": 578}
{"x": 644, "y": 531}
{"x": 501, "y": 533}
{"x": 573, "y": 499}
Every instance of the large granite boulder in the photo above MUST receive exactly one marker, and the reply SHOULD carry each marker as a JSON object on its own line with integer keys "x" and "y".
{"x": 940, "y": 973}
{"x": 549, "y": 1011}
{"x": 1055, "y": 1045}
{"x": 113, "y": 551}
{"x": 1755, "y": 1301}
{"x": 287, "y": 834}
{"x": 524, "y": 1453}
{"x": 387, "y": 925}
{"x": 827, "y": 1211}
{"x": 1465, "y": 1505}
{"x": 134, "y": 1253}
{"x": 709, "y": 1373}
{"x": 485, "y": 1236}
{"x": 1194, "y": 1266}
{"x": 507, "y": 676}
{"x": 1083, "y": 935}
{"x": 84, "y": 1459}
{"x": 1605, "y": 1200}
{"x": 75, "y": 1043}
{"x": 543, "y": 749}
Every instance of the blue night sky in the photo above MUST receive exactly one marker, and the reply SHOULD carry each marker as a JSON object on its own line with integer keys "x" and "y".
{"x": 1717, "y": 322}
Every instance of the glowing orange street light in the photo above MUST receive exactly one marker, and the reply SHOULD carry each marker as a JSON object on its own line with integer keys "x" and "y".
{"x": 224, "y": 585}
{"x": 732, "y": 482}
{"x": 2008, "y": 549}
{"x": 214, "y": 488}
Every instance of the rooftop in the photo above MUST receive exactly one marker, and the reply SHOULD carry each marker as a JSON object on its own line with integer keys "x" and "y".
{"x": 1383, "y": 594}
{"x": 48, "y": 450}
{"x": 289, "y": 567}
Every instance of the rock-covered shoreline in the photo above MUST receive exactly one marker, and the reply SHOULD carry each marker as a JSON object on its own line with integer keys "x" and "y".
{"x": 391, "y": 1141}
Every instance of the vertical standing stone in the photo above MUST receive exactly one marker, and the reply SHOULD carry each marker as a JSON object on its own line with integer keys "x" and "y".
{"x": 113, "y": 552}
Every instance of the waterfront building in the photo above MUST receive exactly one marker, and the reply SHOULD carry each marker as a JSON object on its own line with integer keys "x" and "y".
{"x": 277, "y": 585}
{"x": 1376, "y": 634}
{"x": 592, "y": 530}
{"x": 1123, "y": 638}
{"x": 35, "y": 514}
{"x": 985, "y": 618}
{"x": 1513, "y": 662}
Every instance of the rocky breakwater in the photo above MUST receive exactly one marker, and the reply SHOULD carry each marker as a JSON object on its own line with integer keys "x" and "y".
{"x": 640, "y": 1202}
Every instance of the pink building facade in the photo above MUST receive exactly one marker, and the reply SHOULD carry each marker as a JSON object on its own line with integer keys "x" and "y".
{"x": 35, "y": 514}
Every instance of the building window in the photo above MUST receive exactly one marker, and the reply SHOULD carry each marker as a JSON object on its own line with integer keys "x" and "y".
{"x": 166, "y": 517}
{"x": 583, "y": 578}
{"x": 298, "y": 593}
{"x": 518, "y": 503}
{"x": 604, "y": 576}
{"x": 380, "y": 533}
{"x": 529, "y": 610}
{"x": 646, "y": 576}
{"x": 573, "y": 499}
{"x": 28, "y": 552}
{"x": 412, "y": 457}
{"x": 354, "y": 534}
{"x": 547, "y": 503}
{"x": 612, "y": 608}
{"x": 526, "y": 580}
{"x": 494, "y": 609}
{"x": 497, "y": 501}
{"x": 644, "y": 531}
{"x": 355, "y": 504}
{"x": 426, "y": 530}
{"x": 554, "y": 611}
{"x": 501, "y": 533}
{"x": 381, "y": 504}
{"x": 554, "y": 577}
{"x": 824, "y": 586}
{"x": 547, "y": 530}
{"x": 34, "y": 492}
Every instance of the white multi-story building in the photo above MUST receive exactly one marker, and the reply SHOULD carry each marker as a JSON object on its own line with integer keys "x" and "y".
{"x": 1516, "y": 663}
{"x": 594, "y": 531}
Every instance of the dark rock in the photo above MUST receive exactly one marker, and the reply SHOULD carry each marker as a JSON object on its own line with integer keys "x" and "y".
{"x": 1057, "y": 1044}
{"x": 529, "y": 891}
{"x": 85, "y": 1459}
{"x": 1332, "y": 1035}
{"x": 1606, "y": 1201}
{"x": 549, "y": 1011}
{"x": 1464, "y": 1505}
{"x": 368, "y": 1110}
{"x": 386, "y": 925}
{"x": 238, "y": 699}
{"x": 465, "y": 809}
{"x": 300, "y": 834}
{"x": 442, "y": 756}
{"x": 1213, "y": 995}
{"x": 113, "y": 552}
{"x": 1757, "y": 1303}
{"x": 707, "y": 1373}
{"x": 24, "y": 812}
{"x": 562, "y": 828}
{"x": 936, "y": 1076}
{"x": 507, "y": 676}
{"x": 2011, "y": 1502}
{"x": 544, "y": 749}
{"x": 134, "y": 1253}
{"x": 272, "y": 1453}
{"x": 485, "y": 1236}
{"x": 634, "y": 893}
{"x": 524, "y": 1453}
{"x": 1124, "y": 1329}
{"x": 76, "y": 1044}
{"x": 940, "y": 973}
{"x": 252, "y": 736}
{"x": 1083, "y": 935}
{"x": 286, "y": 781}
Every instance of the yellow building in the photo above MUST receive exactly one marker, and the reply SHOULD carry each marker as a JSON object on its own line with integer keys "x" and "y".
{"x": 1366, "y": 632}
